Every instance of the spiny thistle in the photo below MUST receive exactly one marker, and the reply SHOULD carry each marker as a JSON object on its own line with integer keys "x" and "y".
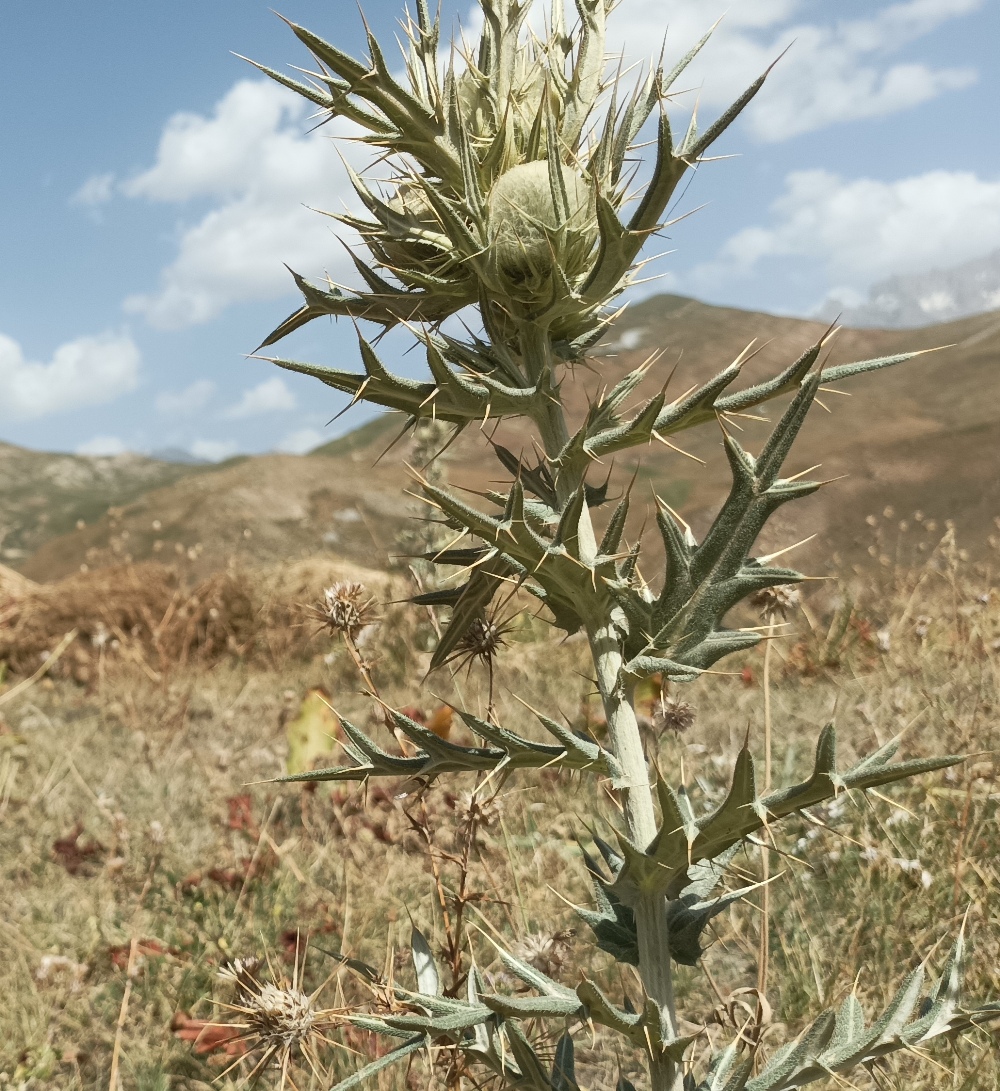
{"x": 511, "y": 166}
{"x": 346, "y": 608}
{"x": 276, "y": 1020}
{"x": 673, "y": 714}
{"x": 483, "y": 641}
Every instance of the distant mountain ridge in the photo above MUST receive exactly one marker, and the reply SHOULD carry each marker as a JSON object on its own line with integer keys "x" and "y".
{"x": 45, "y": 495}
{"x": 920, "y": 439}
{"x": 919, "y": 299}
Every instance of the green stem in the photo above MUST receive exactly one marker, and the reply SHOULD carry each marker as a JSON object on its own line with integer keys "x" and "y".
{"x": 549, "y": 416}
{"x": 655, "y": 966}
{"x": 623, "y": 732}
{"x": 640, "y": 821}
{"x": 657, "y": 979}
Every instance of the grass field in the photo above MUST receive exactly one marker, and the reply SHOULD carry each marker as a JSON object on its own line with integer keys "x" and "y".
{"x": 142, "y": 844}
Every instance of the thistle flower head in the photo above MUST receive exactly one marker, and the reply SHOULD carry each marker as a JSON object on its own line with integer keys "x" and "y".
{"x": 281, "y": 1016}
{"x": 482, "y": 640}
{"x": 535, "y": 223}
{"x": 346, "y": 608}
{"x": 546, "y": 951}
{"x": 776, "y": 601}
{"x": 508, "y": 172}
{"x": 674, "y": 715}
{"x": 484, "y": 810}
{"x": 277, "y": 1021}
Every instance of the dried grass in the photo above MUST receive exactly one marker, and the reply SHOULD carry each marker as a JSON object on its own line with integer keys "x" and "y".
{"x": 144, "y": 613}
{"x": 137, "y": 812}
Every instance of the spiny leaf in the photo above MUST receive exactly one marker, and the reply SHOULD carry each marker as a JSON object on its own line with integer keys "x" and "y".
{"x": 564, "y": 1066}
{"x": 666, "y": 865}
{"x": 486, "y": 579}
{"x": 376, "y": 1066}
{"x": 428, "y": 980}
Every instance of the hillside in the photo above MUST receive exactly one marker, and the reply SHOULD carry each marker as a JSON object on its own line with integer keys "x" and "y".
{"x": 921, "y": 437}
{"x": 249, "y": 511}
{"x": 43, "y": 496}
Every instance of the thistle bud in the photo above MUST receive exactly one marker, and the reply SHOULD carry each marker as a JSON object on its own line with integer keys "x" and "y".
{"x": 413, "y": 243}
{"x": 530, "y": 233}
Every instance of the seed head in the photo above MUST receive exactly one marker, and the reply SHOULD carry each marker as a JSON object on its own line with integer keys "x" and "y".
{"x": 487, "y": 811}
{"x": 345, "y": 607}
{"x": 482, "y": 640}
{"x": 673, "y": 715}
{"x": 277, "y": 1020}
{"x": 546, "y": 951}
{"x": 776, "y": 601}
{"x": 242, "y": 975}
{"x": 280, "y": 1015}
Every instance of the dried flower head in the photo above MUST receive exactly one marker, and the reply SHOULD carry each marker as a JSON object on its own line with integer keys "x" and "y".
{"x": 482, "y": 640}
{"x": 484, "y": 810}
{"x": 546, "y": 951}
{"x": 346, "y": 608}
{"x": 776, "y": 601}
{"x": 242, "y": 975}
{"x": 673, "y": 715}
{"x": 277, "y": 1021}
{"x": 52, "y": 968}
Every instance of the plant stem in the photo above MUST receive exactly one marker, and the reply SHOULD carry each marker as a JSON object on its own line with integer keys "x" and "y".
{"x": 657, "y": 979}
{"x": 764, "y": 948}
{"x": 625, "y": 740}
{"x": 640, "y": 820}
{"x": 623, "y": 733}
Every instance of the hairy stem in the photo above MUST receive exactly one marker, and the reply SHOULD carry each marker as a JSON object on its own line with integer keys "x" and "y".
{"x": 549, "y": 416}
{"x": 640, "y": 820}
{"x": 623, "y": 729}
{"x": 657, "y": 979}
{"x": 623, "y": 733}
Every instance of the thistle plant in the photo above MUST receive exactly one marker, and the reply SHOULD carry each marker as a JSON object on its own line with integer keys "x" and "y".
{"x": 509, "y": 202}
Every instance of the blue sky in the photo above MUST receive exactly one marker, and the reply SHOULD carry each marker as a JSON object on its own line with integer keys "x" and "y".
{"x": 152, "y": 186}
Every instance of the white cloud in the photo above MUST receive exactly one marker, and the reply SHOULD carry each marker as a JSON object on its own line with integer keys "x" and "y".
{"x": 270, "y": 396}
{"x": 97, "y": 190}
{"x": 861, "y": 230}
{"x": 102, "y": 446}
{"x": 266, "y": 175}
{"x": 262, "y": 172}
{"x": 214, "y": 450}
{"x": 837, "y": 69}
{"x": 300, "y": 442}
{"x": 184, "y": 403}
{"x": 85, "y": 371}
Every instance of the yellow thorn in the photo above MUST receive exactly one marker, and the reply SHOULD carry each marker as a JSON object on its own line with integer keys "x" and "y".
{"x": 674, "y": 447}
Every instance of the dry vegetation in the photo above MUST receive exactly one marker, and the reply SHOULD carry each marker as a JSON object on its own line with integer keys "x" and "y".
{"x": 139, "y": 828}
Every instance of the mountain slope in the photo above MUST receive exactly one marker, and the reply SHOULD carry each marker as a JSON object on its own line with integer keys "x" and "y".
{"x": 922, "y": 435}
{"x": 43, "y": 496}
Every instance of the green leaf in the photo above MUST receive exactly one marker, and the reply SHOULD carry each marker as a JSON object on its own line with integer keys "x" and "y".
{"x": 428, "y": 980}
{"x": 487, "y": 578}
{"x": 533, "y": 1073}
{"x": 376, "y": 1066}
{"x": 564, "y": 1066}
{"x": 531, "y": 1007}
{"x": 369, "y": 973}
{"x": 838, "y": 1042}
{"x": 718, "y": 127}
{"x": 666, "y": 865}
